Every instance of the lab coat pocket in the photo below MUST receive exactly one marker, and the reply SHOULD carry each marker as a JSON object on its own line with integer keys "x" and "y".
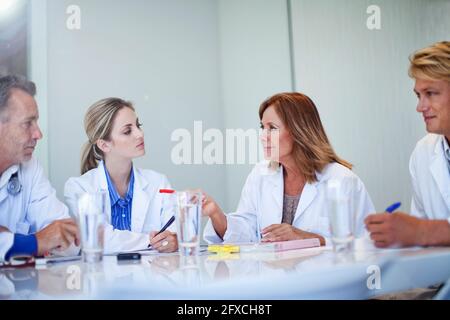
{"x": 22, "y": 228}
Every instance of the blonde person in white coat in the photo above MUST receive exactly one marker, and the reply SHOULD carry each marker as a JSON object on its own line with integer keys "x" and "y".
{"x": 429, "y": 166}
{"x": 136, "y": 210}
{"x": 284, "y": 197}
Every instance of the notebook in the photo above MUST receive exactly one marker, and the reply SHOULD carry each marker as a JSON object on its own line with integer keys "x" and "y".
{"x": 280, "y": 245}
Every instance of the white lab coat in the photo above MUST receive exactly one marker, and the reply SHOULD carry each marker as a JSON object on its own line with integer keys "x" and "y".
{"x": 150, "y": 210}
{"x": 430, "y": 179}
{"x": 6, "y": 242}
{"x": 31, "y": 210}
{"x": 261, "y": 205}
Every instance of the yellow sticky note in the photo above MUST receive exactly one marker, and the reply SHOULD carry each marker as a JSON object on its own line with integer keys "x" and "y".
{"x": 225, "y": 248}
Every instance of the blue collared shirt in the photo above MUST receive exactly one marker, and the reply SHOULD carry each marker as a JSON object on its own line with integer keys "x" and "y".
{"x": 120, "y": 208}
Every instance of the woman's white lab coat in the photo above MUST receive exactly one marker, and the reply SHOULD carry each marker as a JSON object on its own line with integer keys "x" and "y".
{"x": 261, "y": 204}
{"x": 430, "y": 179}
{"x": 149, "y": 211}
{"x": 32, "y": 209}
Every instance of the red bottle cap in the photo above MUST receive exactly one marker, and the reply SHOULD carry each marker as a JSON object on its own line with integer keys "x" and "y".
{"x": 166, "y": 191}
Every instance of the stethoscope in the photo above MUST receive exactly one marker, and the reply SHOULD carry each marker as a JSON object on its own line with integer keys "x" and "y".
{"x": 14, "y": 186}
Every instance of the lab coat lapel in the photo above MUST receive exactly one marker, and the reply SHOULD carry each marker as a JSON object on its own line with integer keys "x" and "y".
{"x": 101, "y": 177}
{"x": 274, "y": 178}
{"x": 102, "y": 185}
{"x": 3, "y": 194}
{"x": 4, "y": 180}
{"x": 439, "y": 170}
{"x": 142, "y": 194}
{"x": 276, "y": 192}
{"x": 309, "y": 193}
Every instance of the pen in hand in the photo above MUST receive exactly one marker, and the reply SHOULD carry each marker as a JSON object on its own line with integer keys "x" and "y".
{"x": 393, "y": 207}
{"x": 171, "y": 220}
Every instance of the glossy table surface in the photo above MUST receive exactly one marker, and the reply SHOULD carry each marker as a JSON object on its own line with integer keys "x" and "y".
{"x": 315, "y": 273}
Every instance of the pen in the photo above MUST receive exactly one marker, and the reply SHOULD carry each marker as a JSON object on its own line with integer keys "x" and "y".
{"x": 171, "y": 220}
{"x": 53, "y": 260}
{"x": 393, "y": 207}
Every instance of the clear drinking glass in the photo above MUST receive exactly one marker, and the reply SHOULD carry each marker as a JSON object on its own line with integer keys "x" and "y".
{"x": 91, "y": 216}
{"x": 340, "y": 213}
{"x": 189, "y": 207}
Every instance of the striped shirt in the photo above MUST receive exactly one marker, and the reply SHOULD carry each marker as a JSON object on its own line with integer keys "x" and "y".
{"x": 120, "y": 208}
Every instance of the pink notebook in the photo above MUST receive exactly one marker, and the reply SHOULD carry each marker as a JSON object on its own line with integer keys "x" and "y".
{"x": 280, "y": 245}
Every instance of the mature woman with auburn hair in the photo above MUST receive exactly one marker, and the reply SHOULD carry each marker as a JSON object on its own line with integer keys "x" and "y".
{"x": 284, "y": 196}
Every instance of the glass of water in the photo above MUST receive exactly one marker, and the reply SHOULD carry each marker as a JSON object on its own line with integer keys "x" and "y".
{"x": 91, "y": 216}
{"x": 189, "y": 207}
{"x": 340, "y": 212}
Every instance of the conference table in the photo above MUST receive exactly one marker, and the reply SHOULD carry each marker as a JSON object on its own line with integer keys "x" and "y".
{"x": 313, "y": 273}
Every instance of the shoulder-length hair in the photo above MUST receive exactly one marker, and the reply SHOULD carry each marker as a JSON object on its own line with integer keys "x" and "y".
{"x": 312, "y": 150}
{"x": 98, "y": 123}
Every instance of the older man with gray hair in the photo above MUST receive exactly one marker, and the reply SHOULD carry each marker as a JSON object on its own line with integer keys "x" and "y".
{"x": 32, "y": 220}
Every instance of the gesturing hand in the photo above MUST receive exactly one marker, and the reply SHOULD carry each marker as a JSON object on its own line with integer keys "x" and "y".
{"x": 58, "y": 235}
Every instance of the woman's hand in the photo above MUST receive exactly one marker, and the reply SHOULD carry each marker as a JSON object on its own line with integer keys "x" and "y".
{"x": 284, "y": 232}
{"x": 211, "y": 209}
{"x": 164, "y": 242}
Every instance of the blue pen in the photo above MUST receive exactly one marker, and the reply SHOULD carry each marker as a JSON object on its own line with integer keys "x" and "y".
{"x": 393, "y": 207}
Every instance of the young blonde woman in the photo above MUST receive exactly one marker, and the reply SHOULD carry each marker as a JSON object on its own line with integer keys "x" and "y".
{"x": 284, "y": 197}
{"x": 135, "y": 208}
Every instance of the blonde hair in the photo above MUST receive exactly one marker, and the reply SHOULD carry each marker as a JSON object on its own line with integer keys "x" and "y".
{"x": 98, "y": 123}
{"x": 312, "y": 150}
{"x": 431, "y": 63}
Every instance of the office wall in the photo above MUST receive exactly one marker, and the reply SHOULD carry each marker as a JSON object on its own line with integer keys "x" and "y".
{"x": 358, "y": 79}
{"x": 161, "y": 55}
{"x": 255, "y": 64}
{"x": 215, "y": 61}
{"x": 37, "y": 61}
{"x": 178, "y": 61}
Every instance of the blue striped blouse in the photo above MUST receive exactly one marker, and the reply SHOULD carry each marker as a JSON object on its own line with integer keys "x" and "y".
{"x": 120, "y": 208}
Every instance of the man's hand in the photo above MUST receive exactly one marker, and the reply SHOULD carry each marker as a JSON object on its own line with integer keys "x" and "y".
{"x": 164, "y": 242}
{"x": 285, "y": 231}
{"x": 58, "y": 235}
{"x": 396, "y": 229}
